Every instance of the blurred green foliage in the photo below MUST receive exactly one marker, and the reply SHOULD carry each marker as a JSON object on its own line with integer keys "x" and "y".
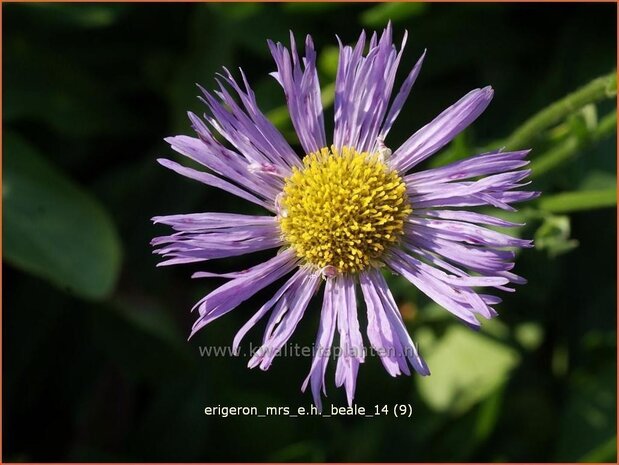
{"x": 96, "y": 366}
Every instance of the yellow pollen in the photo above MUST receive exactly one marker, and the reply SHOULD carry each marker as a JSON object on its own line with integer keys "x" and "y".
{"x": 343, "y": 209}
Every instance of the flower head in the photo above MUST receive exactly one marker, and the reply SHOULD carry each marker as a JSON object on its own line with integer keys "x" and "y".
{"x": 340, "y": 213}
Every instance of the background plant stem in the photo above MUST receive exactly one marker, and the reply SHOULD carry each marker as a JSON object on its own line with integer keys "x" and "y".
{"x": 596, "y": 90}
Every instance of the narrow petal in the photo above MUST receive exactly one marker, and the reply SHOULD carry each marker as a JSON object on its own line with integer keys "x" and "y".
{"x": 496, "y": 182}
{"x": 246, "y": 128}
{"x": 299, "y": 79}
{"x": 272, "y": 141}
{"x": 351, "y": 342}
{"x": 453, "y": 298}
{"x": 284, "y": 319}
{"x": 382, "y": 337}
{"x": 400, "y": 99}
{"x": 386, "y": 330}
{"x": 438, "y": 133}
{"x": 496, "y": 198}
{"x": 205, "y": 236}
{"x": 291, "y": 286}
{"x": 465, "y": 232}
{"x": 212, "y": 180}
{"x": 212, "y": 221}
{"x": 471, "y": 217}
{"x": 484, "y": 260}
{"x": 477, "y": 165}
{"x": 228, "y": 296}
{"x": 363, "y": 88}
{"x": 194, "y": 246}
{"x": 322, "y": 347}
{"x": 209, "y": 153}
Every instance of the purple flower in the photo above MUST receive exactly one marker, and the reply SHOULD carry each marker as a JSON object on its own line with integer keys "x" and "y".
{"x": 342, "y": 213}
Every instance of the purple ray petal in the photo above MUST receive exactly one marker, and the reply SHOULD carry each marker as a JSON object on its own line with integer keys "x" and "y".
{"x": 211, "y": 154}
{"x": 351, "y": 343}
{"x": 230, "y": 295}
{"x": 465, "y": 232}
{"x": 386, "y": 329}
{"x": 291, "y": 286}
{"x": 212, "y": 221}
{"x": 436, "y": 134}
{"x": 324, "y": 342}
{"x": 400, "y": 99}
{"x": 470, "y": 217}
{"x": 299, "y": 79}
{"x": 214, "y": 181}
{"x": 285, "y": 317}
{"x": 451, "y": 297}
{"x": 478, "y": 165}
{"x": 363, "y": 88}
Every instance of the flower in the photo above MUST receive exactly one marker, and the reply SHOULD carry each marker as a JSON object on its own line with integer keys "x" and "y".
{"x": 345, "y": 211}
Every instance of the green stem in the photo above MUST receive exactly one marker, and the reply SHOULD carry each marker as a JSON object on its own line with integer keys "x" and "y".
{"x": 598, "y": 89}
{"x": 572, "y": 145}
{"x": 579, "y": 200}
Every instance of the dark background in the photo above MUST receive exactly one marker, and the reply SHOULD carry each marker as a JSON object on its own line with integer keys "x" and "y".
{"x": 95, "y": 360}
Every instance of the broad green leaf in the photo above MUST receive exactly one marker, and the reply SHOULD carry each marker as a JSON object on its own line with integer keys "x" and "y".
{"x": 53, "y": 228}
{"x": 577, "y": 201}
{"x": 466, "y": 367}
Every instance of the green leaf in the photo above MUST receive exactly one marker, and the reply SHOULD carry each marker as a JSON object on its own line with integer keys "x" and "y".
{"x": 53, "y": 228}
{"x": 381, "y": 14}
{"x": 466, "y": 367}
{"x": 580, "y": 200}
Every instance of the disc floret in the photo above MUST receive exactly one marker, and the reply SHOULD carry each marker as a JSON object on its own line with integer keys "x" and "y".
{"x": 343, "y": 209}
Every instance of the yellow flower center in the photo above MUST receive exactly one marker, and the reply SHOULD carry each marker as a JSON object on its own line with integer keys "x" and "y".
{"x": 343, "y": 209}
